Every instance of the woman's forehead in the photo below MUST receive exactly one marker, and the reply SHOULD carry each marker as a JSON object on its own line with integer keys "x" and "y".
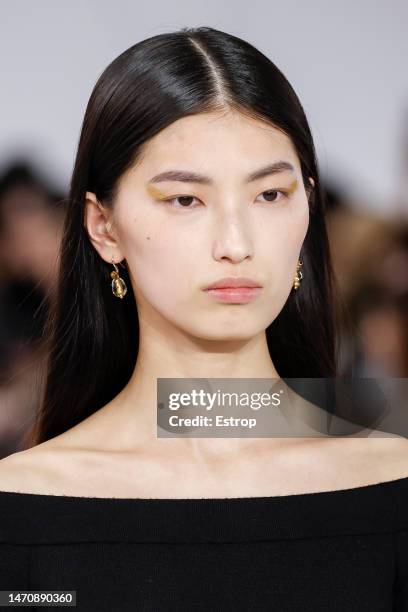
{"x": 233, "y": 127}
{"x": 193, "y": 146}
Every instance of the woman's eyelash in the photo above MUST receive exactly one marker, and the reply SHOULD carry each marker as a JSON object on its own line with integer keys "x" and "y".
{"x": 169, "y": 201}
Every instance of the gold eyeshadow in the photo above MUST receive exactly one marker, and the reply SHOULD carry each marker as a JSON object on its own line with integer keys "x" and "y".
{"x": 156, "y": 193}
{"x": 293, "y": 186}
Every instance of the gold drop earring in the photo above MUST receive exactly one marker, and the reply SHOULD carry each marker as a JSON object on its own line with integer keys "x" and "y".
{"x": 119, "y": 288}
{"x": 299, "y": 275}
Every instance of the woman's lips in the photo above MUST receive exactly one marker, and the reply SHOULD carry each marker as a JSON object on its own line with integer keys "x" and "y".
{"x": 235, "y": 295}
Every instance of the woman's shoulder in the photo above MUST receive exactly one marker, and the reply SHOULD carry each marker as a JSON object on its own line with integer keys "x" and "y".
{"x": 58, "y": 467}
{"x": 27, "y": 470}
{"x": 49, "y": 466}
{"x": 41, "y": 469}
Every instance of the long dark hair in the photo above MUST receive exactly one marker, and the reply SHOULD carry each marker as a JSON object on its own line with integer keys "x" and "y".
{"x": 93, "y": 337}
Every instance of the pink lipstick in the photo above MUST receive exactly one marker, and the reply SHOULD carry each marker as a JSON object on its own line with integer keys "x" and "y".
{"x": 234, "y": 290}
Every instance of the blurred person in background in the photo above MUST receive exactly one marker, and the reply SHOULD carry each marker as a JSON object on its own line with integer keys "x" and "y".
{"x": 380, "y": 309}
{"x": 31, "y": 216}
{"x": 370, "y": 258}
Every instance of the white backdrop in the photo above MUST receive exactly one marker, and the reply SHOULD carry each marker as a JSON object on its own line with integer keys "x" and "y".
{"x": 346, "y": 60}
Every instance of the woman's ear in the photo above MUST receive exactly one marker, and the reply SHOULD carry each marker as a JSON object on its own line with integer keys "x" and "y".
{"x": 99, "y": 225}
{"x": 309, "y": 187}
{"x": 311, "y": 194}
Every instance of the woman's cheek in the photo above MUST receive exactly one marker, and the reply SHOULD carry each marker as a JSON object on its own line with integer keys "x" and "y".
{"x": 161, "y": 276}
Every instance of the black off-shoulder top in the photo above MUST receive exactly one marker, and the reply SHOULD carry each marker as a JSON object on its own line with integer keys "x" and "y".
{"x": 331, "y": 551}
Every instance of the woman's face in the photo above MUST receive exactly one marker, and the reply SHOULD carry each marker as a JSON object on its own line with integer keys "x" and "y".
{"x": 224, "y": 226}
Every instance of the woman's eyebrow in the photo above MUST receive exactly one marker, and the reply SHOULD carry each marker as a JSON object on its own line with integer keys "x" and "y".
{"x": 184, "y": 176}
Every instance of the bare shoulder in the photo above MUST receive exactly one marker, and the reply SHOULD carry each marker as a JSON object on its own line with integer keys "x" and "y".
{"x": 53, "y": 465}
{"x": 28, "y": 471}
{"x": 69, "y": 463}
{"x": 378, "y": 458}
{"x": 40, "y": 469}
{"x": 397, "y": 449}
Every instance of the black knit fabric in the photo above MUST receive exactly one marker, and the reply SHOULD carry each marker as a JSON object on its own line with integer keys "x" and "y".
{"x": 332, "y": 551}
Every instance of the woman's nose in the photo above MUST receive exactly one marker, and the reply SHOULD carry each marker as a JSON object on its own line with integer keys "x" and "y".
{"x": 232, "y": 239}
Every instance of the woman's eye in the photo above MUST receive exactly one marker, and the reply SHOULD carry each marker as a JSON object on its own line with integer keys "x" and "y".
{"x": 272, "y": 195}
{"x": 184, "y": 201}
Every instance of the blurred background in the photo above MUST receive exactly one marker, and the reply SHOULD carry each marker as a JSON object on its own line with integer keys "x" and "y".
{"x": 347, "y": 63}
